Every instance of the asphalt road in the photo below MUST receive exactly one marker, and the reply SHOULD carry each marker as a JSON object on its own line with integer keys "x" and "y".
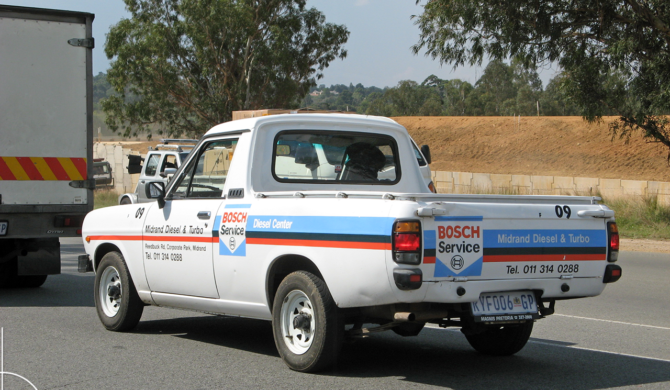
{"x": 53, "y": 338}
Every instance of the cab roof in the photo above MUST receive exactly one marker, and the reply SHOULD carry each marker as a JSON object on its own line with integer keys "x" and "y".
{"x": 346, "y": 119}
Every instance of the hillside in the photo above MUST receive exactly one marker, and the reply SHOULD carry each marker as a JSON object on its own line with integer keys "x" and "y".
{"x": 559, "y": 146}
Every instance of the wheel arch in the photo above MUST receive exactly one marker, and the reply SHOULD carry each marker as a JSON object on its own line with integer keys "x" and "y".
{"x": 282, "y": 267}
{"x": 130, "y": 196}
{"x": 101, "y": 251}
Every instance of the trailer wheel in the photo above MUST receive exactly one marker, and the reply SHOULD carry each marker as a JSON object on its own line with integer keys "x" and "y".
{"x": 30, "y": 281}
{"x": 502, "y": 340}
{"x": 8, "y": 273}
{"x": 9, "y": 277}
{"x": 307, "y": 327}
{"x": 116, "y": 301}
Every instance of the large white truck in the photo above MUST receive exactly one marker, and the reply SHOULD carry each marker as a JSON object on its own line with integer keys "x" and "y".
{"x": 46, "y": 133}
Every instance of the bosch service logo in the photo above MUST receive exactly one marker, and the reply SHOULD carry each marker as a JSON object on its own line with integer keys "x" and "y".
{"x": 457, "y": 262}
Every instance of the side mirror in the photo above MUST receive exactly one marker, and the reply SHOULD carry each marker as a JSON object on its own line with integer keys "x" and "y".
{"x": 134, "y": 164}
{"x": 168, "y": 172}
{"x": 156, "y": 190}
{"x": 425, "y": 150}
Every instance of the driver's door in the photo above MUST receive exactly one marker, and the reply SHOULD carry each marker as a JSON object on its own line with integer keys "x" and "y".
{"x": 178, "y": 238}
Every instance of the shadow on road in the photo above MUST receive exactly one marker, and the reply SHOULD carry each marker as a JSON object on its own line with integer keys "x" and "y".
{"x": 231, "y": 332}
{"x": 435, "y": 357}
{"x": 64, "y": 290}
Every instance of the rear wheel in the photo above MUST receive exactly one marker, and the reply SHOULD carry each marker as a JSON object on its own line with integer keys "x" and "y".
{"x": 501, "y": 340}
{"x": 9, "y": 277}
{"x": 307, "y": 328}
{"x": 116, "y": 301}
{"x": 125, "y": 200}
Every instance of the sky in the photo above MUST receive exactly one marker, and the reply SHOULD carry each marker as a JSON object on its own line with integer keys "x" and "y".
{"x": 379, "y": 46}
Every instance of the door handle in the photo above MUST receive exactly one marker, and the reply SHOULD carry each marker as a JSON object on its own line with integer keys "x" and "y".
{"x": 142, "y": 181}
{"x": 204, "y": 214}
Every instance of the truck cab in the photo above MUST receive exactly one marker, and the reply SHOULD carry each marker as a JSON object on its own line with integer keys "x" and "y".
{"x": 159, "y": 164}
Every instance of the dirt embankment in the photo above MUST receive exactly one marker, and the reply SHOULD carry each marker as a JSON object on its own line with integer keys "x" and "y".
{"x": 552, "y": 146}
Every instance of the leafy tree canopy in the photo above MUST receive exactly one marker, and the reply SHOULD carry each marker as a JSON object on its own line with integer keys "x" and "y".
{"x": 615, "y": 55}
{"x": 190, "y": 63}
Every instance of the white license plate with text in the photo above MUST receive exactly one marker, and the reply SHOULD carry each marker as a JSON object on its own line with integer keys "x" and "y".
{"x": 505, "y": 306}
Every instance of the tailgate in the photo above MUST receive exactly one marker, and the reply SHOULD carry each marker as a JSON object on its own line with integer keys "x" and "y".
{"x": 494, "y": 242}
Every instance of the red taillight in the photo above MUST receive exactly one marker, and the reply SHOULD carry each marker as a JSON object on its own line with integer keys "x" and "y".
{"x": 407, "y": 242}
{"x": 613, "y": 238}
{"x": 614, "y": 242}
{"x": 68, "y": 220}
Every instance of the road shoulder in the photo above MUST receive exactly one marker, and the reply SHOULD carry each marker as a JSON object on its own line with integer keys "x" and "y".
{"x": 643, "y": 245}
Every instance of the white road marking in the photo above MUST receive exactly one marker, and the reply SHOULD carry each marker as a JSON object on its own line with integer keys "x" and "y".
{"x": 613, "y": 322}
{"x": 598, "y": 350}
{"x": 433, "y": 326}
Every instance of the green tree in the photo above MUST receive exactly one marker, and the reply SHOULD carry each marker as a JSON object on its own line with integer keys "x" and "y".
{"x": 406, "y": 99}
{"x": 615, "y": 55}
{"x": 193, "y": 62}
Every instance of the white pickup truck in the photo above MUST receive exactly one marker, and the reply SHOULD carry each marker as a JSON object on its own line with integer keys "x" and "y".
{"x": 323, "y": 225}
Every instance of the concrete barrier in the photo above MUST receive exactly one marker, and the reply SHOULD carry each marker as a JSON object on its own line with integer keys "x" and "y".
{"x": 466, "y": 182}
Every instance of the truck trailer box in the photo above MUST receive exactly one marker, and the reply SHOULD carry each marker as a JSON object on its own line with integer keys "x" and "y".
{"x": 46, "y": 134}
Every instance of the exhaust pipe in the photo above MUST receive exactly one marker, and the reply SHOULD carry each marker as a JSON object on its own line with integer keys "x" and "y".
{"x": 403, "y": 316}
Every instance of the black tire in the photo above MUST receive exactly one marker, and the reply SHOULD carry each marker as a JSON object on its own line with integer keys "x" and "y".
{"x": 116, "y": 301}
{"x": 409, "y": 329}
{"x": 502, "y": 340}
{"x": 8, "y": 273}
{"x": 9, "y": 277}
{"x": 30, "y": 281}
{"x": 125, "y": 200}
{"x": 319, "y": 332}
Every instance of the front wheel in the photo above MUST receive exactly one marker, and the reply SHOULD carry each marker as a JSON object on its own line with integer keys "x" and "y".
{"x": 307, "y": 327}
{"x": 116, "y": 301}
{"x": 125, "y": 200}
{"x": 501, "y": 340}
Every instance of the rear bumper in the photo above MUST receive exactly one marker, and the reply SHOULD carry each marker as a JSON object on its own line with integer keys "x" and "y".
{"x": 446, "y": 292}
{"x": 40, "y": 221}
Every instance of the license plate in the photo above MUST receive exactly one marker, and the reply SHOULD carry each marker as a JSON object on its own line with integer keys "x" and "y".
{"x": 3, "y": 228}
{"x": 505, "y": 306}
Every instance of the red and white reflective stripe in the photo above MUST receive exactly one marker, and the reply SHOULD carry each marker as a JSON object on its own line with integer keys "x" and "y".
{"x": 42, "y": 168}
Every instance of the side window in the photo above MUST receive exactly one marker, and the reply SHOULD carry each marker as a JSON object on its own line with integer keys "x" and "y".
{"x": 206, "y": 174}
{"x": 419, "y": 157}
{"x": 170, "y": 161}
{"x": 152, "y": 165}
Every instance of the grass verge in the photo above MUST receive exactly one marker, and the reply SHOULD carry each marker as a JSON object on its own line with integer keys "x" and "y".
{"x": 641, "y": 217}
{"x": 105, "y": 198}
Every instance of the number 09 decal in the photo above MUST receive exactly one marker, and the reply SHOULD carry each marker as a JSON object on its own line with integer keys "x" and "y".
{"x": 563, "y": 210}
{"x": 140, "y": 211}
